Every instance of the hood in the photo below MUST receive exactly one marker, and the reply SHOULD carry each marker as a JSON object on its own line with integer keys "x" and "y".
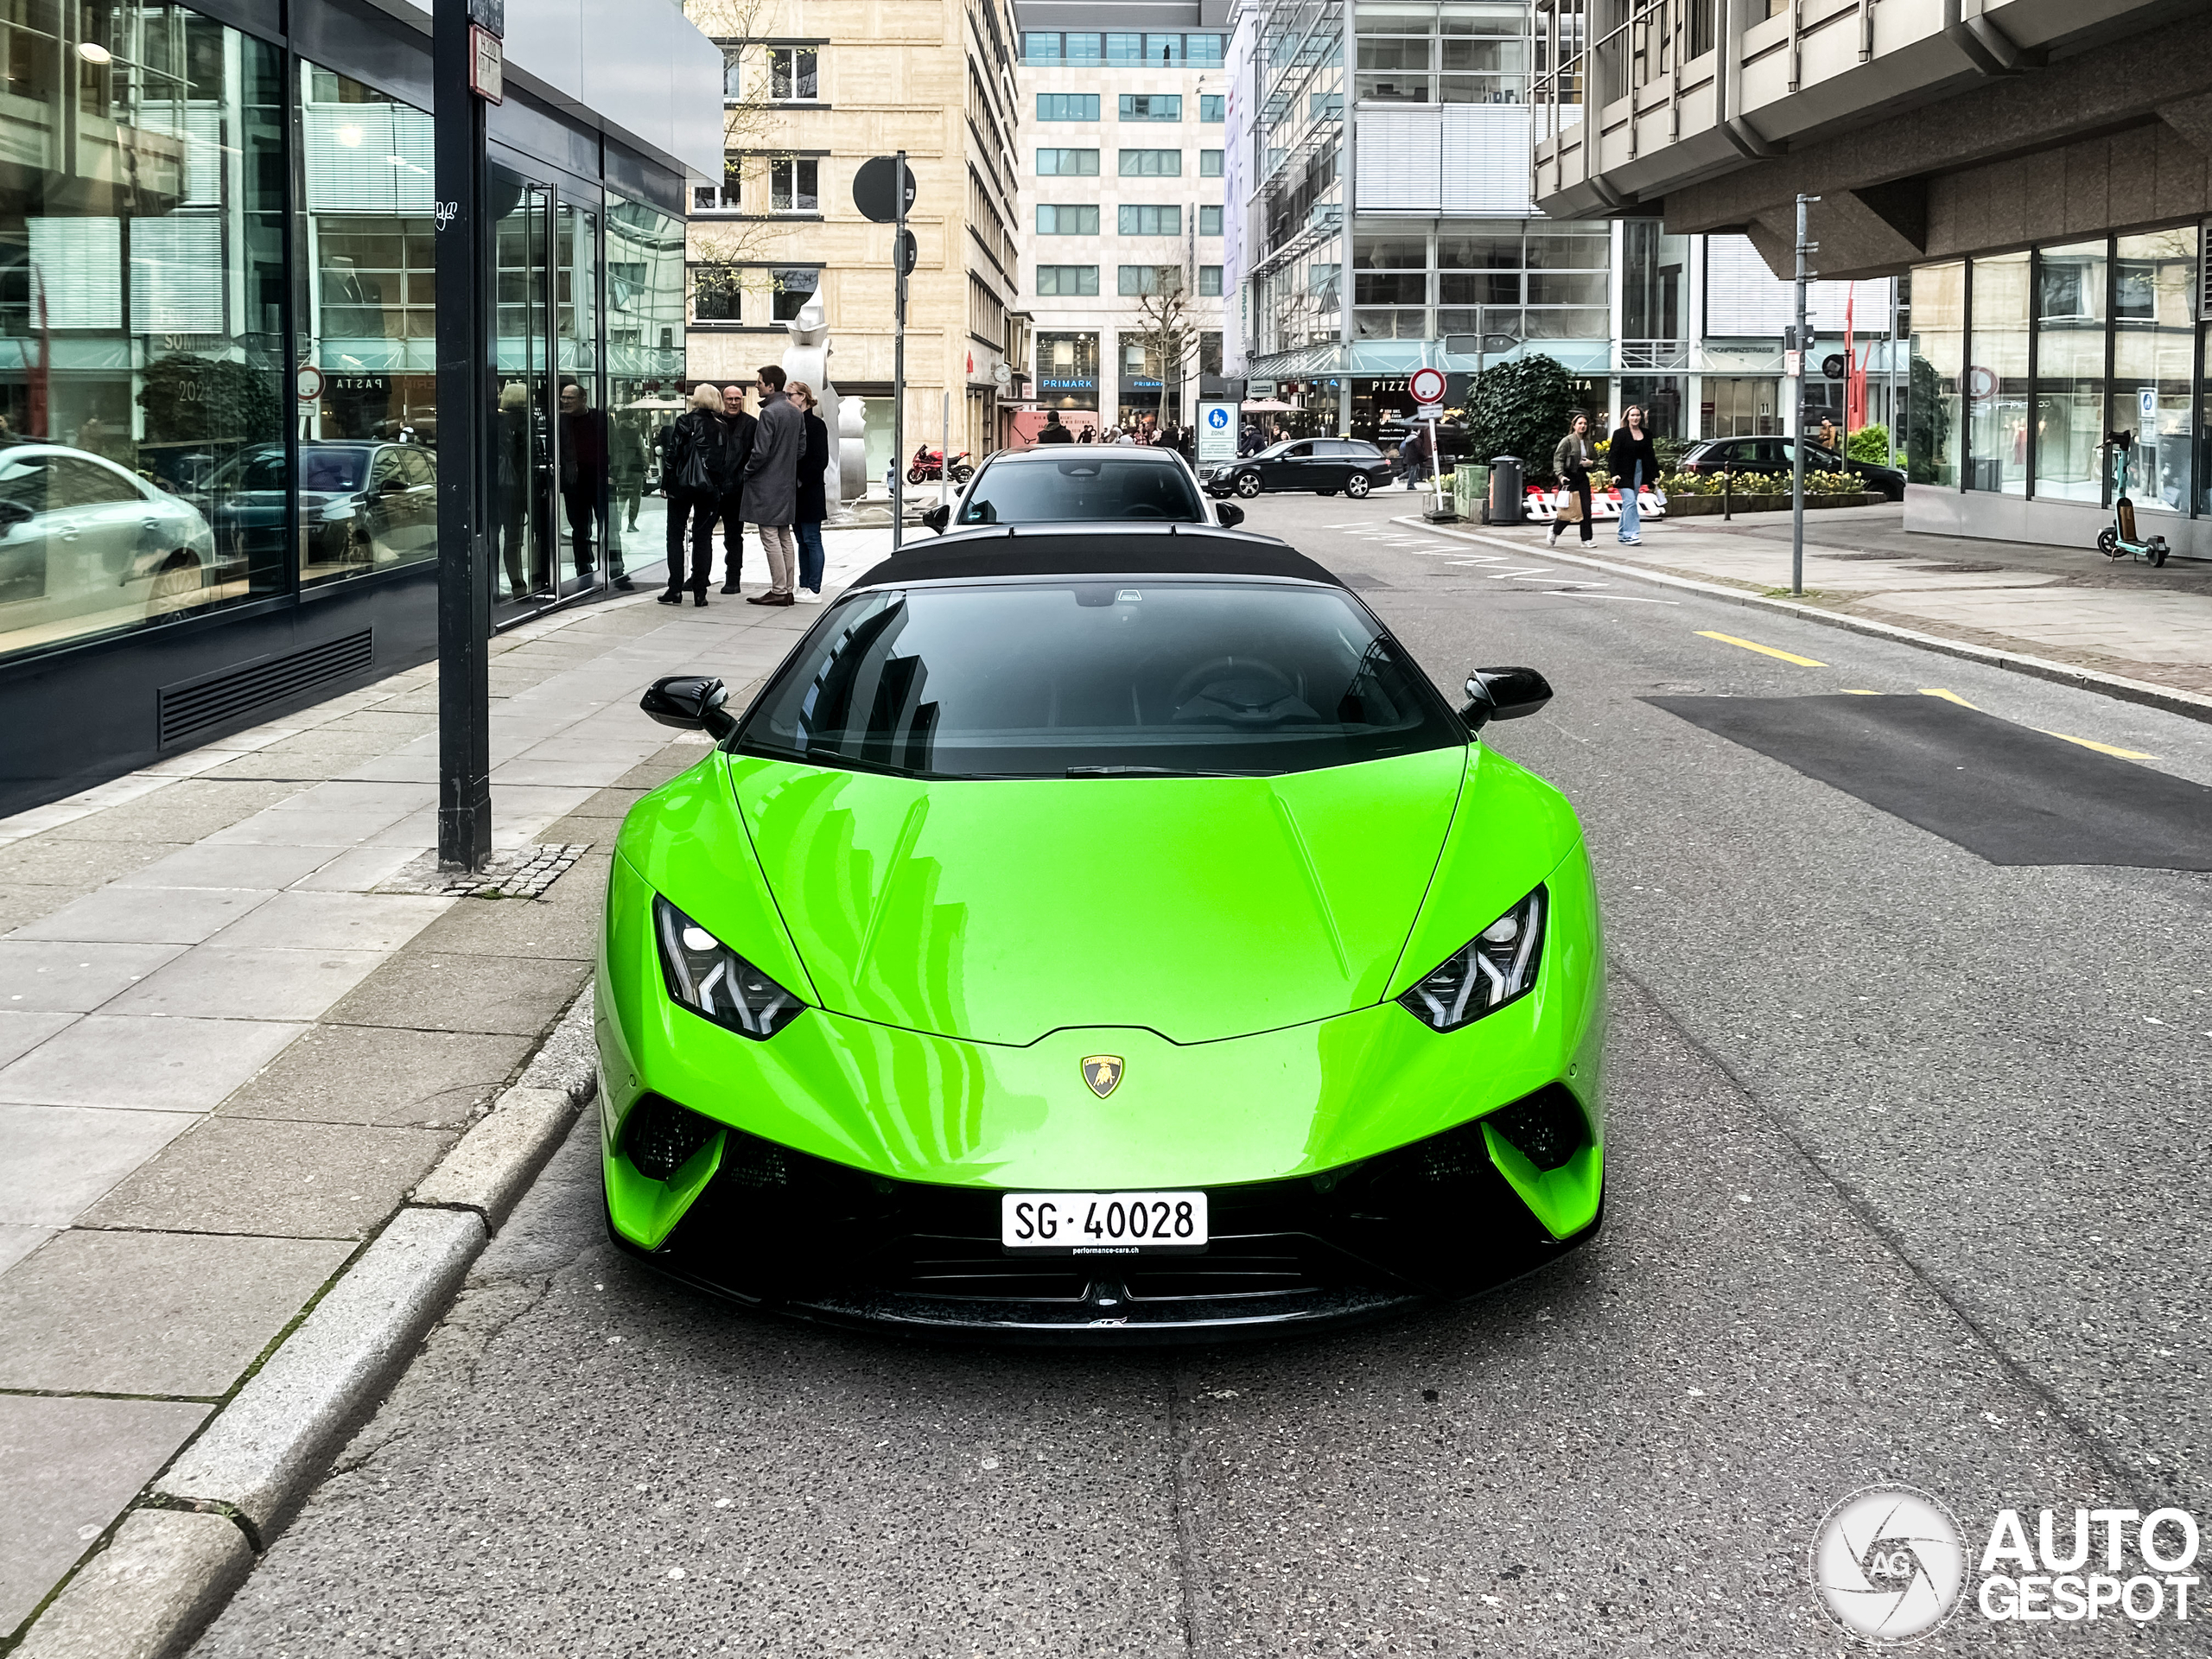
{"x": 1198, "y": 908}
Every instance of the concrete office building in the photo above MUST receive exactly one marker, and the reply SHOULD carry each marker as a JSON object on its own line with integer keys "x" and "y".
{"x": 1121, "y": 168}
{"x": 217, "y": 486}
{"x": 2040, "y": 169}
{"x": 812, "y": 89}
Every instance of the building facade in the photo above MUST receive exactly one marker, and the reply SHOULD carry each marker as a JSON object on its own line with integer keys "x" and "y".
{"x": 1123, "y": 203}
{"x": 218, "y": 481}
{"x": 812, "y": 89}
{"x": 2040, "y": 176}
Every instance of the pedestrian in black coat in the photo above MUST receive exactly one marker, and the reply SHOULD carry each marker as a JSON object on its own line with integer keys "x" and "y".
{"x": 695, "y": 477}
{"x": 730, "y": 508}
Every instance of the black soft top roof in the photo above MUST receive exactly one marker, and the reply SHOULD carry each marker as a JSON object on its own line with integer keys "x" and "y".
{"x": 1062, "y": 551}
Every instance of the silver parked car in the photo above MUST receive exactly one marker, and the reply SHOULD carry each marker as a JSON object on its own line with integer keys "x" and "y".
{"x": 79, "y": 534}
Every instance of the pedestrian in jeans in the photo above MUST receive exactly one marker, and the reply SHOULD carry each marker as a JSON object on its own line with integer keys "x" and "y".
{"x": 1571, "y": 463}
{"x": 772, "y": 484}
{"x": 813, "y": 493}
{"x": 1633, "y": 463}
{"x": 742, "y": 427}
{"x": 695, "y": 476}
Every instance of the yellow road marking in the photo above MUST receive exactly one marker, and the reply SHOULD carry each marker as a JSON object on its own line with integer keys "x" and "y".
{"x": 1852, "y": 691}
{"x": 1763, "y": 651}
{"x": 1947, "y": 696}
{"x": 2101, "y": 749}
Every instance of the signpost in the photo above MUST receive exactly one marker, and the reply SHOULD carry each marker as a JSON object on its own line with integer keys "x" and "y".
{"x": 883, "y": 190}
{"x": 1794, "y": 366}
{"x": 460, "y": 66}
{"x": 1217, "y": 433}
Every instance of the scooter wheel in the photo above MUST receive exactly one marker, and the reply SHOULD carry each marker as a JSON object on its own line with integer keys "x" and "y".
{"x": 2109, "y": 543}
{"x": 2158, "y": 555}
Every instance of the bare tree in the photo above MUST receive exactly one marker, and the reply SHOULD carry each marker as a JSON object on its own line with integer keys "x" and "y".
{"x": 1168, "y": 331}
{"x": 727, "y": 255}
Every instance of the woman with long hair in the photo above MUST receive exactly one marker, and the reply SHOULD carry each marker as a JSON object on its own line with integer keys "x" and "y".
{"x": 1571, "y": 462}
{"x": 813, "y": 495}
{"x": 695, "y": 478}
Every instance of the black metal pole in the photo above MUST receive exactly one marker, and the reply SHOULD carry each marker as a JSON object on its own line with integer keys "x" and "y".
{"x": 463, "y": 337}
{"x": 898, "y": 360}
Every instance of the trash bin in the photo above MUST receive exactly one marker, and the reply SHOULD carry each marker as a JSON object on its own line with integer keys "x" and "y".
{"x": 1505, "y": 505}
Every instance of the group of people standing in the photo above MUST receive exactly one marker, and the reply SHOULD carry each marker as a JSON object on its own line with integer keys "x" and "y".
{"x": 768, "y": 470}
{"x": 1144, "y": 434}
{"x": 1630, "y": 457}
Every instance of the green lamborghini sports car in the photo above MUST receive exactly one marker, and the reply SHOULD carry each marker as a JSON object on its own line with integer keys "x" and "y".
{"x": 1102, "y": 935}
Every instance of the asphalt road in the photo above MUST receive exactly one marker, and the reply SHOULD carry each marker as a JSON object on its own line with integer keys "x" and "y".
{"x": 1907, "y": 1183}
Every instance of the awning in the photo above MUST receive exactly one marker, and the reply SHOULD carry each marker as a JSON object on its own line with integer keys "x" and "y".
{"x": 1395, "y": 357}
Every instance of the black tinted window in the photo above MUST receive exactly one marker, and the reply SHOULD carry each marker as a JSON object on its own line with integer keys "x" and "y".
{"x": 1079, "y": 487}
{"x": 1051, "y": 678}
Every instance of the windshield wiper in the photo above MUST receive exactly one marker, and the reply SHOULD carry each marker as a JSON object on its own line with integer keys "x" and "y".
{"x": 1160, "y": 772}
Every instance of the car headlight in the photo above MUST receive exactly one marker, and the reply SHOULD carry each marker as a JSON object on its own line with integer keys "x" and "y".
{"x": 713, "y": 981}
{"x": 1492, "y": 970}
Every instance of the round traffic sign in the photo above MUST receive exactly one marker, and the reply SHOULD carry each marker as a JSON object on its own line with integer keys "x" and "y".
{"x": 311, "y": 381}
{"x": 1426, "y": 385}
{"x": 875, "y": 188}
{"x": 1832, "y": 365}
{"x": 1217, "y": 418}
{"x": 1980, "y": 383}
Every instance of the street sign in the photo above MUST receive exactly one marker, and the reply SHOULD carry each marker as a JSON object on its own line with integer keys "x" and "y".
{"x": 1981, "y": 383}
{"x": 489, "y": 14}
{"x": 2146, "y": 404}
{"x": 486, "y": 65}
{"x": 875, "y": 188}
{"x": 1479, "y": 344}
{"x": 1426, "y": 385}
{"x": 1256, "y": 389}
{"x": 310, "y": 379}
{"x": 910, "y": 248}
{"x": 1832, "y": 365}
{"x": 1217, "y": 432}
{"x": 1429, "y": 412}
{"x": 1793, "y": 365}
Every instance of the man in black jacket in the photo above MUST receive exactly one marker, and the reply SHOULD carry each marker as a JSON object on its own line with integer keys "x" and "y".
{"x": 740, "y": 428}
{"x": 1054, "y": 432}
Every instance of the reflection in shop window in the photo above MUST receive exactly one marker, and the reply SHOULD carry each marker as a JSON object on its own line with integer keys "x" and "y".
{"x": 141, "y": 286}
{"x": 1932, "y": 426}
{"x": 645, "y": 368}
{"x": 2154, "y": 340}
{"x": 2071, "y": 372}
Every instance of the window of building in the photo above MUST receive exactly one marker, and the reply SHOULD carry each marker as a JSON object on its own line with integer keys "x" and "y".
{"x": 1209, "y": 352}
{"x": 1067, "y": 106}
{"x": 1210, "y": 281}
{"x": 1149, "y": 279}
{"x": 790, "y": 289}
{"x": 1040, "y": 48}
{"x": 1209, "y": 221}
{"x": 1053, "y": 48}
{"x": 1324, "y": 105}
{"x": 2154, "y": 279}
{"x": 1067, "y": 281}
{"x": 1212, "y": 108}
{"x": 1067, "y": 163}
{"x": 793, "y": 185}
{"x": 723, "y": 197}
{"x": 1082, "y": 50}
{"x": 1202, "y": 51}
{"x": 1067, "y": 370}
{"x": 1209, "y": 164}
{"x": 1152, "y": 163}
{"x": 793, "y": 74}
{"x": 1145, "y": 220}
{"x": 1152, "y": 106}
{"x": 733, "y": 74}
{"x": 1932, "y": 426}
{"x": 2071, "y": 372}
{"x": 1079, "y": 219}
{"x": 1163, "y": 51}
{"x": 1412, "y": 55}
{"x": 1997, "y": 400}
{"x": 717, "y": 294}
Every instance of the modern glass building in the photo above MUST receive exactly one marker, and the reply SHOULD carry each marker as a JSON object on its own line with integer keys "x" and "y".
{"x": 218, "y": 422}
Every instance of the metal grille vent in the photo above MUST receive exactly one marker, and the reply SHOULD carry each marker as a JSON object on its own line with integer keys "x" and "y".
{"x": 188, "y": 710}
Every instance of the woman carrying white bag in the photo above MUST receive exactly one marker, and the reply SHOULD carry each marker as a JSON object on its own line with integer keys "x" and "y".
{"x": 1571, "y": 462}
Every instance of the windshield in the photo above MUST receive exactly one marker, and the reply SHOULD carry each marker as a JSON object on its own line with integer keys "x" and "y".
{"x": 1096, "y": 678}
{"x": 1081, "y": 487}
{"x": 330, "y": 468}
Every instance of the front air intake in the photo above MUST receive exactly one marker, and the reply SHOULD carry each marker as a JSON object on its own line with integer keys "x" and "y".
{"x": 1547, "y": 1127}
{"x": 660, "y": 1137}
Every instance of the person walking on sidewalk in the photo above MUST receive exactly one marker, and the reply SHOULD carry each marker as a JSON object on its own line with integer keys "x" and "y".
{"x": 694, "y": 476}
{"x": 1054, "y": 432}
{"x": 772, "y": 484}
{"x": 1571, "y": 463}
{"x": 742, "y": 427}
{"x": 1633, "y": 462}
{"x": 814, "y": 494}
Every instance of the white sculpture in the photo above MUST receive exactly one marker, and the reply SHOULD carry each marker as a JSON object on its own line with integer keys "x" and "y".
{"x": 807, "y": 358}
{"x": 852, "y": 449}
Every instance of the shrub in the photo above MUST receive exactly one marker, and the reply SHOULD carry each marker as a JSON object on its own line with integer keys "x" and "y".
{"x": 1520, "y": 407}
{"x": 1870, "y": 444}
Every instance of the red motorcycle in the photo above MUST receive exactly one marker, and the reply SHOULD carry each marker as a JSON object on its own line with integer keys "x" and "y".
{"x": 929, "y": 466}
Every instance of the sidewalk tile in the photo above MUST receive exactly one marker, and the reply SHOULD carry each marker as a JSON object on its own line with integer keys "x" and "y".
{"x": 357, "y": 871}
{"x": 300, "y": 829}
{"x": 334, "y": 921}
{"x": 382, "y": 1075}
{"x": 189, "y": 810}
{"x": 18, "y": 1241}
{"x": 274, "y": 1178}
{"x": 21, "y": 1032}
{"x": 233, "y": 865}
{"x": 41, "y": 975}
{"x": 417, "y": 831}
{"x": 67, "y": 1469}
{"x": 50, "y": 861}
{"x": 448, "y": 992}
{"x": 145, "y": 1063}
{"x": 146, "y": 915}
{"x": 565, "y": 924}
{"x": 369, "y": 799}
{"x": 174, "y": 1313}
{"x": 586, "y": 774}
{"x": 250, "y": 982}
{"x": 62, "y": 1159}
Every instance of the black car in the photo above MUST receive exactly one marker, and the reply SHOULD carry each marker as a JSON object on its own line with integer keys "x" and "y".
{"x": 1775, "y": 454}
{"x": 1325, "y": 465}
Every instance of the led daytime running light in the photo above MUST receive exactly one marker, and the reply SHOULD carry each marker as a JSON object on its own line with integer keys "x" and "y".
{"x": 714, "y": 982}
{"x": 1496, "y": 967}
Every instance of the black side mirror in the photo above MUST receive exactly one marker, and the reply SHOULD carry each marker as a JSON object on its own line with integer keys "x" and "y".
{"x": 690, "y": 702}
{"x": 938, "y": 518}
{"x": 1504, "y": 694}
{"x": 1230, "y": 513}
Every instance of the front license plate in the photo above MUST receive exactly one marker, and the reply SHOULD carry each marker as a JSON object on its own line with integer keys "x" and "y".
{"x": 1103, "y": 1224}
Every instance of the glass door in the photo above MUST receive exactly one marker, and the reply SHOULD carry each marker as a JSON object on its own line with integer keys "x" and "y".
{"x": 592, "y": 553}
{"x": 522, "y": 465}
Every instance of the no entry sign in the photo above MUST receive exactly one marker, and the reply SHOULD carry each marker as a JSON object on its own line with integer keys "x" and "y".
{"x": 1426, "y": 385}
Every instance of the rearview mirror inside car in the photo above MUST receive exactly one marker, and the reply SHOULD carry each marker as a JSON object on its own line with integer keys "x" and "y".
{"x": 1230, "y": 513}
{"x": 1504, "y": 694}
{"x": 938, "y": 518}
{"x": 691, "y": 702}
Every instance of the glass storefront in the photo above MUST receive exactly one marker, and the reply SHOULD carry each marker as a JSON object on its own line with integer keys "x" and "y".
{"x": 1740, "y": 406}
{"x": 2070, "y": 343}
{"x": 220, "y": 386}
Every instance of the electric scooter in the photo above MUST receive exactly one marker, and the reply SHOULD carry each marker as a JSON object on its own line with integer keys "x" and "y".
{"x": 2120, "y": 536}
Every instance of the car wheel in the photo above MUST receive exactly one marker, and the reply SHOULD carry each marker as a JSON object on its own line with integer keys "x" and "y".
{"x": 179, "y": 576}
{"x": 961, "y": 474}
{"x": 1248, "y": 485}
{"x": 2108, "y": 543}
{"x": 1357, "y": 486}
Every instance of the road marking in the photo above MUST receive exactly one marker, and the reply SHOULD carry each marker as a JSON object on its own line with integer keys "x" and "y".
{"x": 2101, "y": 749}
{"x": 1533, "y": 570}
{"x": 1853, "y": 692}
{"x": 1625, "y": 599}
{"x": 1763, "y": 651}
{"x": 1947, "y": 696}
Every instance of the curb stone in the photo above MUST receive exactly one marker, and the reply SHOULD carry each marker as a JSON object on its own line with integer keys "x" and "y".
{"x": 2188, "y": 704}
{"x": 176, "y": 1559}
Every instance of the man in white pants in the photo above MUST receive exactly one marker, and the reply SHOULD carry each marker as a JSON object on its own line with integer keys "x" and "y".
{"x": 771, "y": 485}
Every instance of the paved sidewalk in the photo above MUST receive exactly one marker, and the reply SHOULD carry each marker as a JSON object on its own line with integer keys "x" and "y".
{"x": 2070, "y": 605}
{"x": 228, "y": 1049}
